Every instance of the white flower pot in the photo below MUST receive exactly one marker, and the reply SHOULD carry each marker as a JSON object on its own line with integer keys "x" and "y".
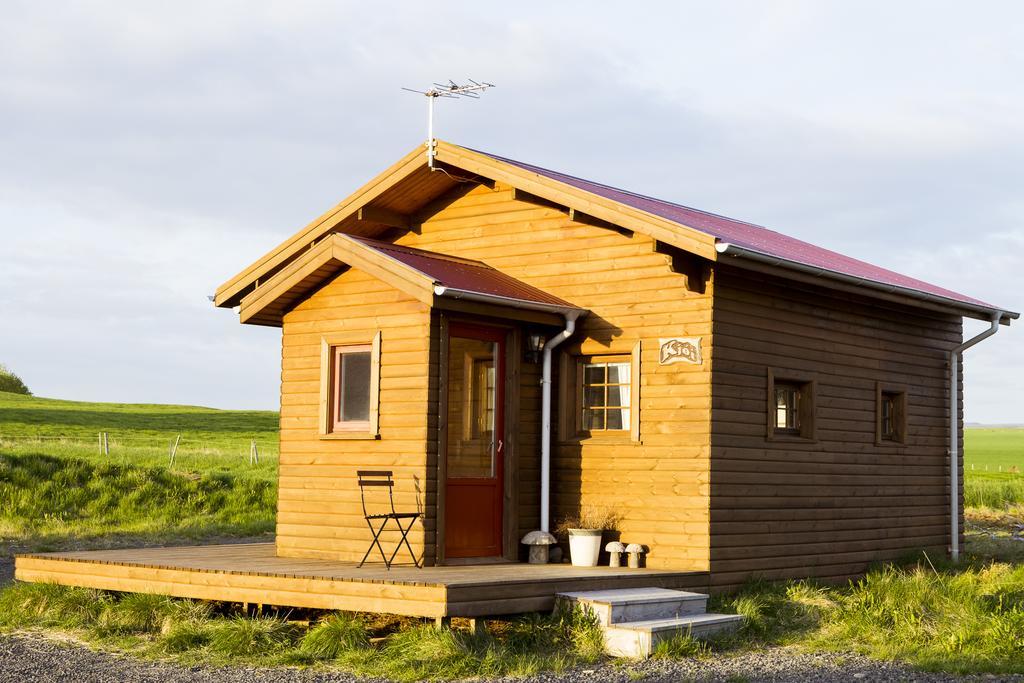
{"x": 584, "y": 547}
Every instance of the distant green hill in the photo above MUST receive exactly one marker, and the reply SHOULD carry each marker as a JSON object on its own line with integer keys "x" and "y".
{"x": 30, "y": 415}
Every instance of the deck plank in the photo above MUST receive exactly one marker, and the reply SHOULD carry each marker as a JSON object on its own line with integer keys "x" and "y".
{"x": 254, "y": 573}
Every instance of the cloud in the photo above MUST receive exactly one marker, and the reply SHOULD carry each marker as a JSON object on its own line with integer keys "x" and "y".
{"x": 156, "y": 149}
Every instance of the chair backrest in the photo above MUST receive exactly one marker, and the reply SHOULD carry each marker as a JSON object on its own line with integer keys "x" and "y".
{"x": 374, "y": 479}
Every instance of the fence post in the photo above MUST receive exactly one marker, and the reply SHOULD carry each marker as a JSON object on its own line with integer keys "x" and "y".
{"x": 254, "y": 453}
{"x": 106, "y": 444}
{"x": 174, "y": 449}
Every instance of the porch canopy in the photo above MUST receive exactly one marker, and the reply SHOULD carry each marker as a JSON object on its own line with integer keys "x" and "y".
{"x": 438, "y": 280}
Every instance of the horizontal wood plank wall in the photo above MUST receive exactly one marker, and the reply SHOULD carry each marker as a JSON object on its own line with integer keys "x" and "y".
{"x": 661, "y": 484}
{"x": 786, "y": 508}
{"x": 319, "y": 511}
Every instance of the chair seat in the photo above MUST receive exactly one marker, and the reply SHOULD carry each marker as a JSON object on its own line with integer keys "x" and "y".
{"x": 394, "y": 515}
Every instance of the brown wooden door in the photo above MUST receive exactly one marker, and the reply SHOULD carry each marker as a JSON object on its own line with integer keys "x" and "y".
{"x": 474, "y": 449}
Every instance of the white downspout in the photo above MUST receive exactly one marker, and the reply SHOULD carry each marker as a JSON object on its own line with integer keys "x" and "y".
{"x": 545, "y": 421}
{"x": 954, "y": 434}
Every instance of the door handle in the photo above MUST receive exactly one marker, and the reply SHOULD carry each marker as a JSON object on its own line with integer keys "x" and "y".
{"x": 501, "y": 445}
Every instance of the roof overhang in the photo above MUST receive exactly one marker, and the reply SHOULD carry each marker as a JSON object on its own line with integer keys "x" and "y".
{"x": 401, "y": 196}
{"x": 752, "y": 259}
{"x": 268, "y": 303}
{"x": 377, "y": 207}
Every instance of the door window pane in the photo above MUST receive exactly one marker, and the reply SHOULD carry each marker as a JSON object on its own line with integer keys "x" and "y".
{"x": 472, "y": 401}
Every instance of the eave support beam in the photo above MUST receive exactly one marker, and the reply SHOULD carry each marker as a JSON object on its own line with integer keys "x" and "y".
{"x": 522, "y": 196}
{"x": 381, "y": 216}
{"x": 695, "y": 270}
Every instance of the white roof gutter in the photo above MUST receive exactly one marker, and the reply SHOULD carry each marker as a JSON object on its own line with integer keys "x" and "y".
{"x": 545, "y": 420}
{"x": 978, "y": 311}
{"x": 452, "y": 293}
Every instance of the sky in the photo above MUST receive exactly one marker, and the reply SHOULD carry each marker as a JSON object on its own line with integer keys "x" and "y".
{"x": 149, "y": 151}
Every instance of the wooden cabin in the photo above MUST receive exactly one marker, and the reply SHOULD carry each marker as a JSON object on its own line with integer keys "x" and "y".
{"x": 747, "y": 403}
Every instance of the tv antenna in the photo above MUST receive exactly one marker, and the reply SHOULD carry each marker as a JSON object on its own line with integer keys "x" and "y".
{"x": 452, "y": 89}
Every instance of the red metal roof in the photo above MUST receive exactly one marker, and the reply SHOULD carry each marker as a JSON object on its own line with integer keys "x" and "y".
{"x": 751, "y": 236}
{"x": 475, "y": 277}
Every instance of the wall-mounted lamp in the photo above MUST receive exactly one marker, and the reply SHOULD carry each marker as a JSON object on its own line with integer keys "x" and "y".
{"x": 534, "y": 345}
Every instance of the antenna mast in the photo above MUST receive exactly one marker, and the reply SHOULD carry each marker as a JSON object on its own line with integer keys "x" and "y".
{"x": 454, "y": 90}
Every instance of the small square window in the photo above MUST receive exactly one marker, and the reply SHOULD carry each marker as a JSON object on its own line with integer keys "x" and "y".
{"x": 349, "y": 380}
{"x": 891, "y": 420}
{"x": 790, "y": 407}
{"x": 605, "y": 392}
{"x": 599, "y": 397}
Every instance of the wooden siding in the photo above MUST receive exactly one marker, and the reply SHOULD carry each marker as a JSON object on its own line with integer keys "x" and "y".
{"x": 319, "y": 512}
{"x": 825, "y": 508}
{"x": 659, "y": 484}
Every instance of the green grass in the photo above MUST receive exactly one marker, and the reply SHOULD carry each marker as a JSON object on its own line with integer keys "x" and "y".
{"x": 993, "y": 468}
{"x": 62, "y": 492}
{"x": 960, "y": 621}
{"x": 402, "y": 650}
{"x": 993, "y": 448}
{"x": 993, "y": 491}
{"x": 49, "y": 502}
{"x": 967, "y": 619}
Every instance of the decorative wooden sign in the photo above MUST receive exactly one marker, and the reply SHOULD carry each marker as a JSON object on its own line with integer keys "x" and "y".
{"x": 679, "y": 350}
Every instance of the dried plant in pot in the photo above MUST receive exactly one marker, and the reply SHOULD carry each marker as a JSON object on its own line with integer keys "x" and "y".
{"x": 585, "y": 530}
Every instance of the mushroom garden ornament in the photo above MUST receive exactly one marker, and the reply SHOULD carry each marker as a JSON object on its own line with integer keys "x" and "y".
{"x": 615, "y": 550}
{"x": 539, "y": 541}
{"x": 634, "y": 550}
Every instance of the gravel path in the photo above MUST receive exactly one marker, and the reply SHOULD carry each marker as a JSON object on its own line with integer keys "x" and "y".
{"x": 35, "y": 658}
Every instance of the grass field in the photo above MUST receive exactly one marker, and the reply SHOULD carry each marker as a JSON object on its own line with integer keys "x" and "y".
{"x": 212, "y": 441}
{"x": 993, "y": 468}
{"x": 57, "y": 489}
{"x": 993, "y": 448}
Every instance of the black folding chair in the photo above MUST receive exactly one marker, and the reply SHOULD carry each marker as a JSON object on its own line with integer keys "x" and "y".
{"x": 368, "y": 478}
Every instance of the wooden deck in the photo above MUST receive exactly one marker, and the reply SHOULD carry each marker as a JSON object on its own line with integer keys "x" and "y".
{"x": 253, "y": 573}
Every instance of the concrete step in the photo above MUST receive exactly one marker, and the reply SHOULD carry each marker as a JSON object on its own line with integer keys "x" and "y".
{"x": 639, "y": 638}
{"x": 637, "y": 604}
